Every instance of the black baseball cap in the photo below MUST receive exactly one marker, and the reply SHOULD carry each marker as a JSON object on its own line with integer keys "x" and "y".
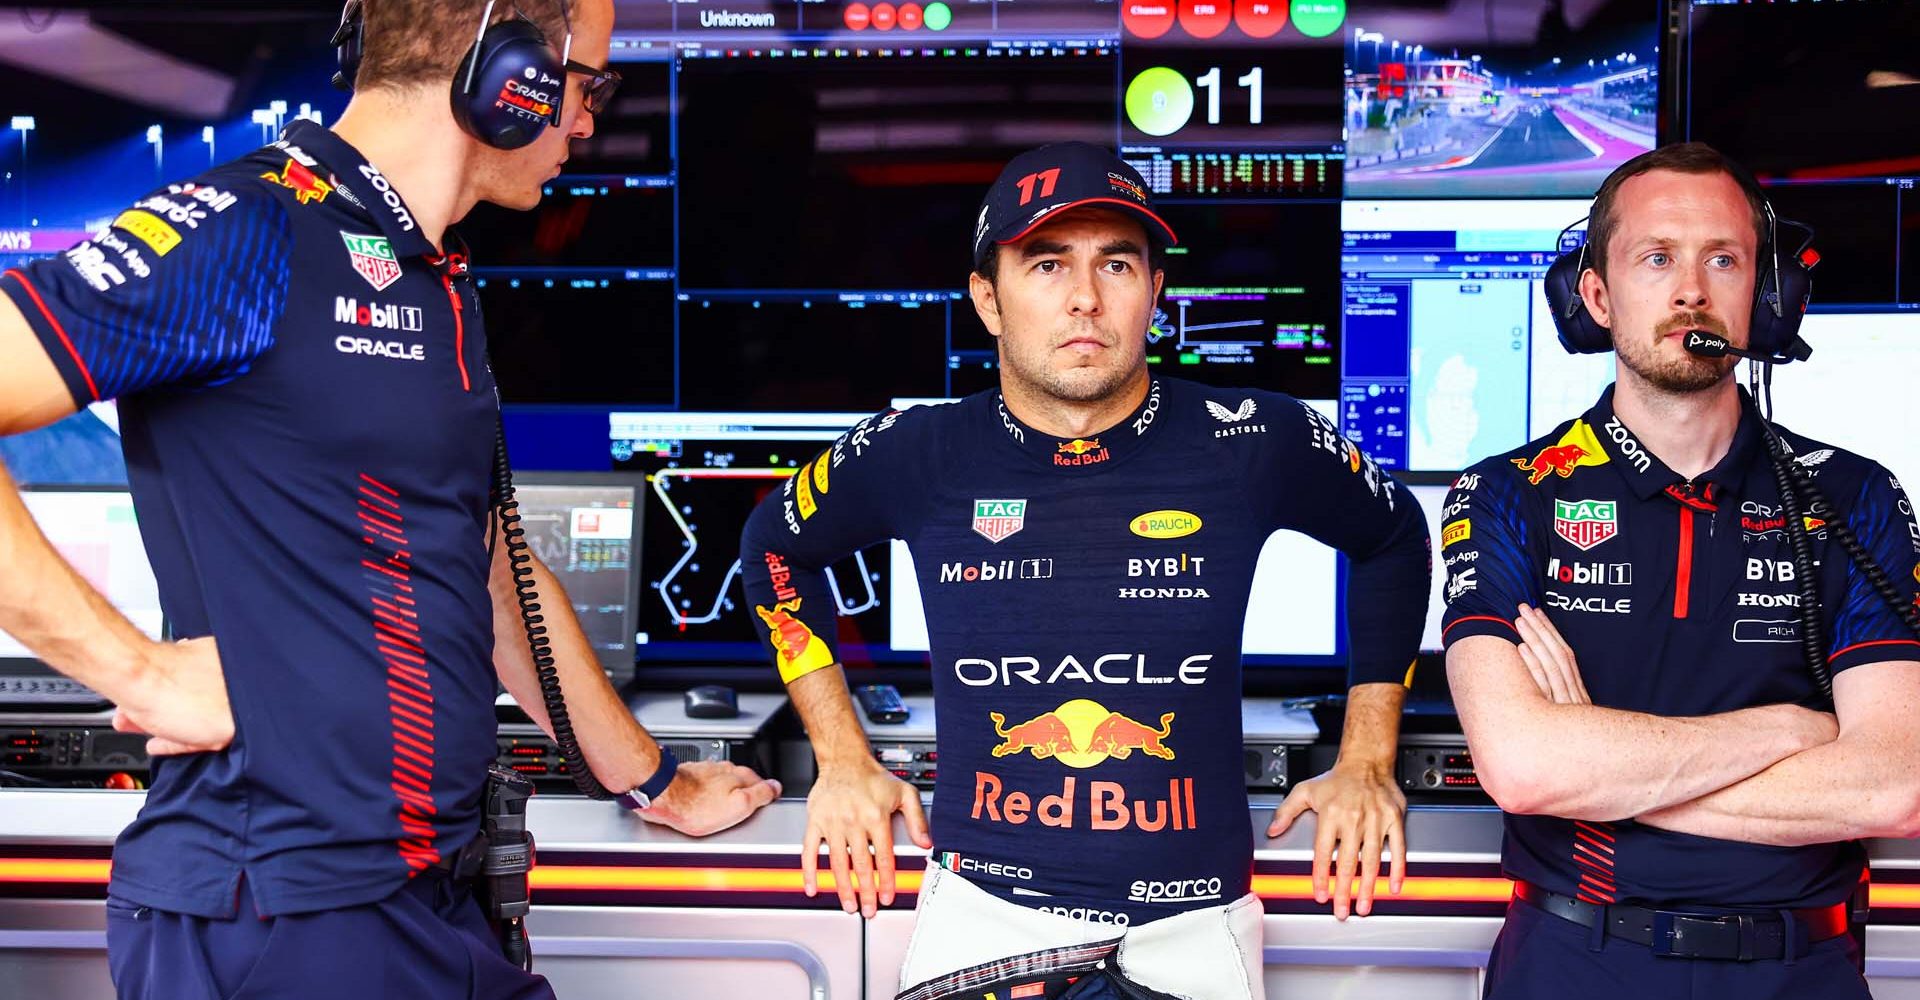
{"x": 1041, "y": 183}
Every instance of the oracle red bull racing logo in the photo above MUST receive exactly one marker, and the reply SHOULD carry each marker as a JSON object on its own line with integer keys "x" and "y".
{"x": 1577, "y": 447}
{"x": 1082, "y": 733}
{"x": 1081, "y": 451}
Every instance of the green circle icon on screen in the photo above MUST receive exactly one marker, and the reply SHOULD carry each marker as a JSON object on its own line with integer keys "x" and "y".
{"x": 1318, "y": 18}
{"x": 937, "y": 16}
{"x": 1159, "y": 101}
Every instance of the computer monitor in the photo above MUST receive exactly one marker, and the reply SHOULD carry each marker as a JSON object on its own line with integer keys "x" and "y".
{"x": 1801, "y": 94}
{"x": 1856, "y": 392}
{"x": 584, "y": 527}
{"x": 96, "y": 532}
{"x": 1438, "y": 106}
{"x": 1449, "y": 354}
{"x": 1431, "y": 499}
{"x": 705, "y": 473}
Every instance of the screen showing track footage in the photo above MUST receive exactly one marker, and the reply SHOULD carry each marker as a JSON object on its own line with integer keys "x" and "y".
{"x": 1523, "y": 103}
{"x": 97, "y": 534}
{"x": 585, "y": 532}
{"x": 1817, "y": 99}
{"x": 1450, "y": 353}
{"x": 705, "y": 474}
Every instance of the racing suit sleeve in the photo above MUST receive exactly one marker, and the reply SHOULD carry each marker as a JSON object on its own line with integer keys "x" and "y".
{"x": 1865, "y": 630}
{"x": 1318, "y": 483}
{"x": 183, "y": 288}
{"x": 864, "y": 489}
{"x": 1483, "y": 542}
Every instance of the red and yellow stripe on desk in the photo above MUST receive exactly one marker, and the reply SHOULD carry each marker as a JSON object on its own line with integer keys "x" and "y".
{"x": 682, "y": 879}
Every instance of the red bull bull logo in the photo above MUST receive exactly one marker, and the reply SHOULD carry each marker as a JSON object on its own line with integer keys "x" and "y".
{"x": 1080, "y": 451}
{"x": 1082, "y": 733}
{"x": 307, "y": 188}
{"x": 797, "y": 651}
{"x": 1577, "y": 447}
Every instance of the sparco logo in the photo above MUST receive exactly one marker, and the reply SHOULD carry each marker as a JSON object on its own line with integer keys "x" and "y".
{"x": 1177, "y": 890}
{"x": 380, "y": 348}
{"x": 1089, "y": 915}
{"x": 373, "y": 314}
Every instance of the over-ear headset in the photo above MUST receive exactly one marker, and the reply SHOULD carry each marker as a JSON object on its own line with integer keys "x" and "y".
{"x": 510, "y": 84}
{"x": 1781, "y": 290}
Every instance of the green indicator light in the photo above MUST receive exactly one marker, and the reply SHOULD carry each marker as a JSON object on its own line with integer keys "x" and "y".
{"x": 1159, "y": 101}
{"x": 937, "y": 16}
{"x": 1318, "y": 18}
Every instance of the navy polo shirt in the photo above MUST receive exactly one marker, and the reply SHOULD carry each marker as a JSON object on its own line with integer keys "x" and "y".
{"x": 1085, "y": 600}
{"x": 308, "y": 422}
{"x": 1678, "y": 598}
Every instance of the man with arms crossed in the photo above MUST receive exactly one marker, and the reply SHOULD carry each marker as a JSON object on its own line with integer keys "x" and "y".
{"x": 1085, "y": 540}
{"x": 313, "y": 494}
{"x": 1677, "y": 824}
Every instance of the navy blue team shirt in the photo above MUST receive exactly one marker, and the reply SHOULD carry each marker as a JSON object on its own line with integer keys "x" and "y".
{"x": 308, "y": 422}
{"x": 1085, "y": 600}
{"x": 1678, "y": 598}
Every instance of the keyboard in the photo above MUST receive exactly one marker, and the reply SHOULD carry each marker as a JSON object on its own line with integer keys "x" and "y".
{"x": 17, "y": 691}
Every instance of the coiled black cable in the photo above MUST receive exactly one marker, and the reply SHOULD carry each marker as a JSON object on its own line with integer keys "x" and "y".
{"x": 1797, "y": 487}
{"x": 520, "y": 559}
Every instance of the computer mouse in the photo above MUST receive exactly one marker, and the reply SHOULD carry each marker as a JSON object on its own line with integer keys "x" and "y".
{"x": 712, "y": 701}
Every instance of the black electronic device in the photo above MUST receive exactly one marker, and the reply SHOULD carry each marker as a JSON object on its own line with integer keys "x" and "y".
{"x": 881, "y": 703}
{"x": 46, "y": 751}
{"x": 712, "y": 701}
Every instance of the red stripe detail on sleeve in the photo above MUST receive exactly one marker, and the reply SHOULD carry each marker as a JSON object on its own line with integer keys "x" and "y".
{"x": 59, "y": 331}
{"x": 1876, "y": 642}
{"x": 1479, "y": 618}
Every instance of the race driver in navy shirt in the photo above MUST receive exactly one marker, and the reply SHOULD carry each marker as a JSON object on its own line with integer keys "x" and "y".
{"x": 1623, "y": 644}
{"x": 1085, "y": 541}
{"x": 309, "y": 425}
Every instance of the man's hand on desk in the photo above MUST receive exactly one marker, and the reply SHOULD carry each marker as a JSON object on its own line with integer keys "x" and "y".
{"x": 179, "y": 698}
{"x": 851, "y": 810}
{"x": 1356, "y": 808}
{"x": 708, "y": 796}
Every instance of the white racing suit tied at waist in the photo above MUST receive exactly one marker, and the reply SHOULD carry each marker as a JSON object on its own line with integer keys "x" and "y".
{"x": 966, "y": 940}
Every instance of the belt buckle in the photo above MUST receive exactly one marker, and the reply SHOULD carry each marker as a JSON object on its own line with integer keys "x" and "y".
{"x": 1682, "y": 935}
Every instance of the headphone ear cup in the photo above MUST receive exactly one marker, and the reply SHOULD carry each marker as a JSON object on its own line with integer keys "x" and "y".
{"x": 1579, "y": 334}
{"x": 511, "y": 62}
{"x": 1773, "y": 332}
{"x": 348, "y": 43}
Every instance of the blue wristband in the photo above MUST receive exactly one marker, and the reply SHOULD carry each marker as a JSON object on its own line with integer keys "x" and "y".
{"x": 654, "y": 787}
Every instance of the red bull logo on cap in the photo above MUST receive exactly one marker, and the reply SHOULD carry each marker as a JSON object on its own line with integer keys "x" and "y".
{"x": 1577, "y": 447}
{"x": 307, "y": 187}
{"x": 1082, "y": 733}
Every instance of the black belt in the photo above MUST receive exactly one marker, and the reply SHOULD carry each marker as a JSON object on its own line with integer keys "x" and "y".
{"x": 1743, "y": 937}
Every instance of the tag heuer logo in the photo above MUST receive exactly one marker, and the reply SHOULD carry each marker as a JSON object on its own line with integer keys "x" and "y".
{"x": 994, "y": 520}
{"x": 373, "y": 258}
{"x": 1585, "y": 523}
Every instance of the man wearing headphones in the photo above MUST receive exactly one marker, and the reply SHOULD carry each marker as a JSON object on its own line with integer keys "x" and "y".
{"x": 1633, "y": 640}
{"x": 309, "y": 427}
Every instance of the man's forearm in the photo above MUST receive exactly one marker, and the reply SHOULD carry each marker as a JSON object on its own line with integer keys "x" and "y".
{"x": 833, "y": 726}
{"x": 54, "y": 612}
{"x": 1371, "y": 734}
{"x": 1581, "y": 761}
{"x": 1845, "y": 790}
{"x": 1603, "y": 764}
{"x": 618, "y": 749}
